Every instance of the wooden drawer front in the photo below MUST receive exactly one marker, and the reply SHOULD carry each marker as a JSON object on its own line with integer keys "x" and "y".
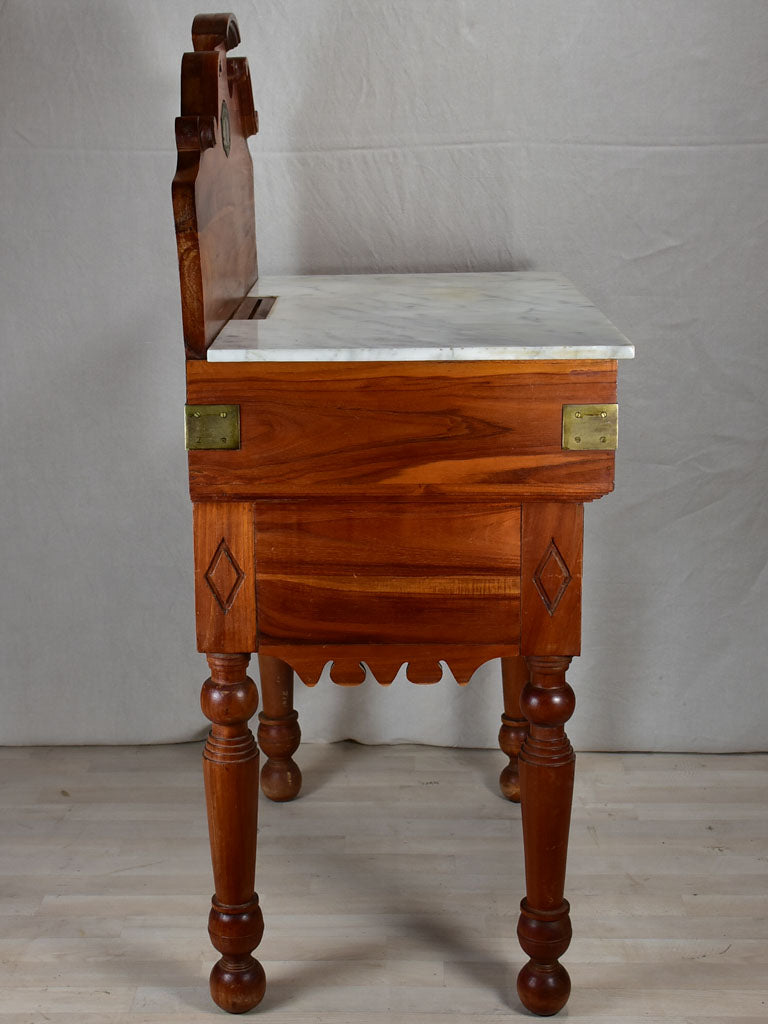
{"x": 364, "y": 429}
{"x": 360, "y": 572}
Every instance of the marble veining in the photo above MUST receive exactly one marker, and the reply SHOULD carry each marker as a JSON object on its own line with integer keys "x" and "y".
{"x": 525, "y": 315}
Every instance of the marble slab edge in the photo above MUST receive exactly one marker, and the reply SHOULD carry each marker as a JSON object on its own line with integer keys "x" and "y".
{"x": 412, "y": 354}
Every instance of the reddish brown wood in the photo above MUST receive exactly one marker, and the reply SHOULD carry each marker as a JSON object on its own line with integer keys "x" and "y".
{"x": 231, "y": 772}
{"x": 279, "y": 733}
{"x": 550, "y": 582}
{"x": 364, "y": 573}
{"x": 225, "y": 577}
{"x": 375, "y": 515}
{"x": 546, "y": 781}
{"x": 514, "y": 724}
{"x": 213, "y": 189}
{"x": 422, "y": 661}
{"x": 478, "y": 430}
{"x": 215, "y": 32}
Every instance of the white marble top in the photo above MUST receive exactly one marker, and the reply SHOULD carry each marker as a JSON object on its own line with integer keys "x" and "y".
{"x": 422, "y": 316}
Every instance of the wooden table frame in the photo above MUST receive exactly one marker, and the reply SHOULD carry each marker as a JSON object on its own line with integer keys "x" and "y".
{"x": 464, "y": 542}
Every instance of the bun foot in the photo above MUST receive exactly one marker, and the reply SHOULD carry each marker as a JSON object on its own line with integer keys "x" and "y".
{"x": 543, "y": 988}
{"x": 281, "y": 780}
{"x": 509, "y": 783}
{"x": 238, "y": 987}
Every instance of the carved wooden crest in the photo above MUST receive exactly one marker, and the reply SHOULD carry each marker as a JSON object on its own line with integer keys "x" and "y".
{"x": 213, "y": 185}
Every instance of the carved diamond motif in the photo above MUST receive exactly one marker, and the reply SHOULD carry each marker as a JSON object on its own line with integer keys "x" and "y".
{"x": 552, "y": 577}
{"x": 224, "y": 576}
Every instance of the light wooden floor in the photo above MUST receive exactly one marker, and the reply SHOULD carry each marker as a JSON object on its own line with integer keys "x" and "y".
{"x": 390, "y": 889}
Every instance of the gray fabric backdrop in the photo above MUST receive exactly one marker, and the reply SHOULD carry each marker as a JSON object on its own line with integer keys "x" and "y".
{"x": 623, "y": 143}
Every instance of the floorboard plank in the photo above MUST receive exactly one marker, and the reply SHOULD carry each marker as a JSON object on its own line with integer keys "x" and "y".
{"x": 390, "y": 889}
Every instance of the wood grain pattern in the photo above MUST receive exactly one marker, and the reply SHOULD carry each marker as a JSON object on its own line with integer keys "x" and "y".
{"x": 550, "y": 581}
{"x": 546, "y": 782}
{"x": 476, "y": 429}
{"x": 212, "y": 188}
{"x": 383, "y": 514}
{"x": 364, "y": 573}
{"x": 225, "y": 577}
{"x": 231, "y": 773}
{"x": 422, "y": 661}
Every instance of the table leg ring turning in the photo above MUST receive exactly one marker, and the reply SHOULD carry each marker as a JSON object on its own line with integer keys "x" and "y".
{"x": 543, "y": 984}
{"x": 231, "y": 773}
{"x": 237, "y": 980}
{"x": 278, "y": 733}
{"x": 546, "y": 780}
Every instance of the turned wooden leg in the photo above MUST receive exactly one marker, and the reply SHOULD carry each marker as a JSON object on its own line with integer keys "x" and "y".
{"x": 279, "y": 733}
{"x": 546, "y": 780}
{"x": 231, "y": 770}
{"x": 514, "y": 724}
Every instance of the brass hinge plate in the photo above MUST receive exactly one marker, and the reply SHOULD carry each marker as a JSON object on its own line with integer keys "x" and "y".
{"x": 211, "y": 427}
{"x": 590, "y": 428}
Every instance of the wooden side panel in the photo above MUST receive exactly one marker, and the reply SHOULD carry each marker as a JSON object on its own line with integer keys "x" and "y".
{"x": 213, "y": 188}
{"x": 225, "y": 577}
{"x": 550, "y": 583}
{"x": 400, "y": 573}
{"x": 479, "y": 429}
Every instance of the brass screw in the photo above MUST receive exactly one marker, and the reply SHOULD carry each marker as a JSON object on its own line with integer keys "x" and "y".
{"x": 578, "y": 415}
{"x": 604, "y": 414}
{"x": 223, "y": 415}
{"x": 196, "y": 415}
{"x": 603, "y": 440}
{"x": 577, "y": 440}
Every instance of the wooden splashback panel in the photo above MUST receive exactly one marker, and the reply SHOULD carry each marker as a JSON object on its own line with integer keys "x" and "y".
{"x": 213, "y": 185}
